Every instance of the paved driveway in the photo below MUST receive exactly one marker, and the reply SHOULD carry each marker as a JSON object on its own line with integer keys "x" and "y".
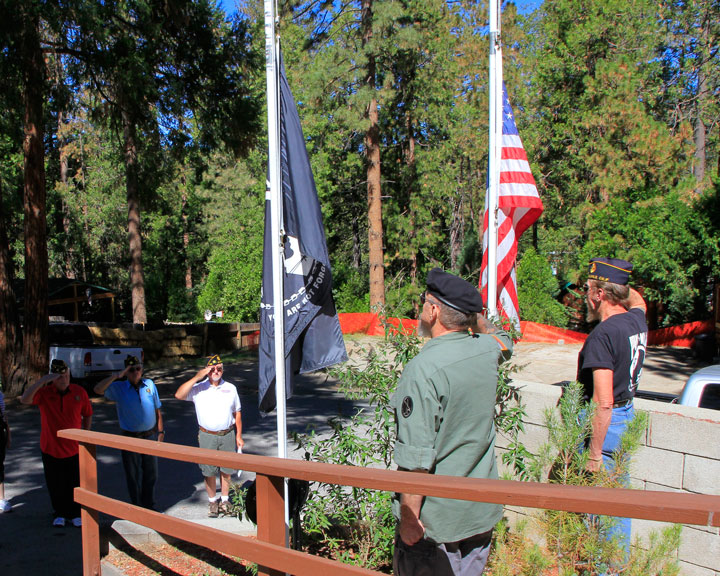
{"x": 29, "y": 545}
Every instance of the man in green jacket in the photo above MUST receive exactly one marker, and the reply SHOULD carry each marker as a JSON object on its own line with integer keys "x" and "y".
{"x": 444, "y": 409}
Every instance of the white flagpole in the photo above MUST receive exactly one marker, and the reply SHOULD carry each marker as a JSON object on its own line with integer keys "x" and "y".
{"x": 495, "y": 154}
{"x": 274, "y": 192}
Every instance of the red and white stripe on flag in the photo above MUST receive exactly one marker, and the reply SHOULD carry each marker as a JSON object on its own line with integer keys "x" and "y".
{"x": 519, "y": 206}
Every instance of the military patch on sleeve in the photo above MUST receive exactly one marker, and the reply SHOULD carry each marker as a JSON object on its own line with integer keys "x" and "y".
{"x": 407, "y": 407}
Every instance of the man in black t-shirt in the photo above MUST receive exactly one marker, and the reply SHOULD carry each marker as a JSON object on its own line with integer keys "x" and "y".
{"x": 610, "y": 362}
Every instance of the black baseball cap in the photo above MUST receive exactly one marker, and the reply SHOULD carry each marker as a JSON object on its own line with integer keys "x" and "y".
{"x": 58, "y": 366}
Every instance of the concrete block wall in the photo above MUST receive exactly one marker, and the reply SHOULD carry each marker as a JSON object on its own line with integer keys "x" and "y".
{"x": 680, "y": 453}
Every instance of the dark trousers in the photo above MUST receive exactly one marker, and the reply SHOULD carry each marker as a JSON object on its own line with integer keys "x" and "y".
{"x": 141, "y": 471}
{"x": 427, "y": 558}
{"x": 62, "y": 476}
{"x": 3, "y": 441}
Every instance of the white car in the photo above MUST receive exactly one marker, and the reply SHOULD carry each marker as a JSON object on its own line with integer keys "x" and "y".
{"x": 702, "y": 389}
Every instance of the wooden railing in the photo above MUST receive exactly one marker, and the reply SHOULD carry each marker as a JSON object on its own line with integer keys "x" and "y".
{"x": 269, "y": 550}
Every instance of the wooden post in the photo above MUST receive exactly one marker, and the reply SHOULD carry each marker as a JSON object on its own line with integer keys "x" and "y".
{"x": 90, "y": 517}
{"x": 270, "y": 500}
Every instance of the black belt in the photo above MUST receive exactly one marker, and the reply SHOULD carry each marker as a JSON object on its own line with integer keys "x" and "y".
{"x": 217, "y": 432}
{"x": 622, "y": 403}
{"x": 145, "y": 434}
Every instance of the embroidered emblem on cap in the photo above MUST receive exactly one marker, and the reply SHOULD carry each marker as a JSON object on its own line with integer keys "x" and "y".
{"x": 407, "y": 407}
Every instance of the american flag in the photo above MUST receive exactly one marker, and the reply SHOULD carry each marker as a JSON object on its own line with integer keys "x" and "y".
{"x": 519, "y": 206}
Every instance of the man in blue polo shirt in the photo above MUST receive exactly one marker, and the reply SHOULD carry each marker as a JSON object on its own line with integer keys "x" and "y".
{"x": 138, "y": 408}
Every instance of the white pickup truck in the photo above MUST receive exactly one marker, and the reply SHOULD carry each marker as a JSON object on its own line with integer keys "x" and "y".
{"x": 702, "y": 389}
{"x": 94, "y": 362}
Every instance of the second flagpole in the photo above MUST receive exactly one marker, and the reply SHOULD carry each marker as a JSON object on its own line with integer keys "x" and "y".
{"x": 495, "y": 155}
{"x": 274, "y": 194}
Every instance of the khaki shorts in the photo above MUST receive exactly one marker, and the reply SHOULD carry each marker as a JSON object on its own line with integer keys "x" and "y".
{"x": 225, "y": 443}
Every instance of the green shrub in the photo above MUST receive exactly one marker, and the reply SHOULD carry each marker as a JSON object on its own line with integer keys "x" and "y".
{"x": 537, "y": 287}
{"x": 234, "y": 276}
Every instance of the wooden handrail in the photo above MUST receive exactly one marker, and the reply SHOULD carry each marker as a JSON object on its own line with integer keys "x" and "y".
{"x": 682, "y": 508}
{"x": 698, "y": 509}
{"x": 281, "y": 558}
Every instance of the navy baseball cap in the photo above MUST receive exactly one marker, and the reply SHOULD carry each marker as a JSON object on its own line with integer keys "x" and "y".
{"x": 610, "y": 270}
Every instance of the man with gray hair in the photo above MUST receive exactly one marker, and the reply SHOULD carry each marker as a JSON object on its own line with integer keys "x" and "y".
{"x": 444, "y": 410}
{"x": 138, "y": 409}
{"x": 217, "y": 407}
{"x": 611, "y": 361}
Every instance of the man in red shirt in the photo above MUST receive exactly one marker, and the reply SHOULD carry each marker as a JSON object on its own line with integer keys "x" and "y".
{"x": 62, "y": 405}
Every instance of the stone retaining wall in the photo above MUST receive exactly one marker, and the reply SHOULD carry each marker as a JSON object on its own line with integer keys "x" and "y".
{"x": 680, "y": 453}
{"x": 171, "y": 341}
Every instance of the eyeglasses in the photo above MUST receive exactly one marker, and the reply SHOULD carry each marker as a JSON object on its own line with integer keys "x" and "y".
{"x": 586, "y": 287}
{"x": 134, "y": 368}
{"x": 424, "y": 298}
{"x": 216, "y": 369}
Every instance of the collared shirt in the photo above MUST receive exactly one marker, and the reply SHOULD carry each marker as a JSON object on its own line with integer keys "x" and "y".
{"x": 215, "y": 406}
{"x": 135, "y": 406}
{"x": 444, "y": 408}
{"x": 58, "y": 411}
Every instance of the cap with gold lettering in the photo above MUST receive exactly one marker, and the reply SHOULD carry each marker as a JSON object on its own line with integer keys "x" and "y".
{"x": 58, "y": 366}
{"x": 610, "y": 270}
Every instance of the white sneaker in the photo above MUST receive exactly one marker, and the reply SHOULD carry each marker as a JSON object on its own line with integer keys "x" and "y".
{"x": 77, "y": 522}
{"x": 5, "y": 506}
{"x": 59, "y": 522}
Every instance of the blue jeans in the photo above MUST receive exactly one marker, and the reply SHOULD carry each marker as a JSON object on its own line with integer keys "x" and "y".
{"x": 616, "y": 528}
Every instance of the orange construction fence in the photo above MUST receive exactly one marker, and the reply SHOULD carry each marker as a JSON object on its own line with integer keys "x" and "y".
{"x": 682, "y": 336}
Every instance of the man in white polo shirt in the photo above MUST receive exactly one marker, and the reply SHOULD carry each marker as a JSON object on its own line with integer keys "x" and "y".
{"x": 217, "y": 407}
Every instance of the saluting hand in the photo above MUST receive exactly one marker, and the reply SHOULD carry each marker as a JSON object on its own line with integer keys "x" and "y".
{"x": 202, "y": 373}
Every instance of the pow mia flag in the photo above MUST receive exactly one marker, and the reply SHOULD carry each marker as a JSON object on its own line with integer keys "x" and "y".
{"x": 313, "y": 339}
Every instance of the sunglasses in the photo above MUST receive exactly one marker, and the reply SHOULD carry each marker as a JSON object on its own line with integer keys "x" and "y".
{"x": 134, "y": 368}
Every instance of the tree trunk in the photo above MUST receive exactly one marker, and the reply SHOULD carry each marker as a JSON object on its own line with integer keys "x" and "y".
{"x": 11, "y": 361}
{"x": 700, "y": 129}
{"x": 186, "y": 240}
{"x": 86, "y": 227}
{"x": 137, "y": 279}
{"x": 65, "y": 211}
{"x": 457, "y": 224}
{"x": 36, "y": 257}
{"x": 372, "y": 153}
{"x": 412, "y": 182}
